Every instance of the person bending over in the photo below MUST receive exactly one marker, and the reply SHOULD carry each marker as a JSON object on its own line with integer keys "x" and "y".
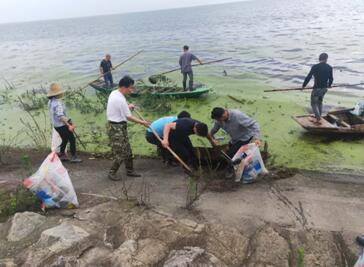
{"x": 158, "y": 127}
{"x": 240, "y": 127}
{"x": 177, "y": 136}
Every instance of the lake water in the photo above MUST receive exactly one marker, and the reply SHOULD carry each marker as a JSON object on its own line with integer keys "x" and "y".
{"x": 272, "y": 43}
{"x": 277, "y": 40}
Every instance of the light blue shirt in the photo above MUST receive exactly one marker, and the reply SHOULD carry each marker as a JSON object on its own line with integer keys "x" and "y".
{"x": 159, "y": 124}
{"x": 56, "y": 112}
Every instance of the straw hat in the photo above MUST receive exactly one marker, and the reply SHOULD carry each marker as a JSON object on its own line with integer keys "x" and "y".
{"x": 54, "y": 90}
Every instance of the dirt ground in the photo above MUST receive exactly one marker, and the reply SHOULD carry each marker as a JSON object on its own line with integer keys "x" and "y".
{"x": 330, "y": 201}
{"x": 293, "y": 201}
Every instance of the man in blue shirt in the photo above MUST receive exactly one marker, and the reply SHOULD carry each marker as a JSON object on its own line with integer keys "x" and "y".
{"x": 158, "y": 127}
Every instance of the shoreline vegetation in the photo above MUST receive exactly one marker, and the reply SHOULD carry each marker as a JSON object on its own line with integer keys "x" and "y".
{"x": 25, "y": 123}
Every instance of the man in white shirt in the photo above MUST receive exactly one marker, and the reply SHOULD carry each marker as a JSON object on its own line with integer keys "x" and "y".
{"x": 118, "y": 113}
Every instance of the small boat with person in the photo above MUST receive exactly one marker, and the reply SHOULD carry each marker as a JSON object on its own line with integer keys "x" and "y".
{"x": 156, "y": 90}
{"x": 334, "y": 122}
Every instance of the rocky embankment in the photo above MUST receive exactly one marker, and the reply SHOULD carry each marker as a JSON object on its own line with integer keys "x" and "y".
{"x": 120, "y": 233}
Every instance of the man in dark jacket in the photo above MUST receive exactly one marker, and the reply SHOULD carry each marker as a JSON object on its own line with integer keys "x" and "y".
{"x": 177, "y": 136}
{"x": 323, "y": 80}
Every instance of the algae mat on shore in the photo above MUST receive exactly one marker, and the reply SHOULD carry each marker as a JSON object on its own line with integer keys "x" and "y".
{"x": 289, "y": 145}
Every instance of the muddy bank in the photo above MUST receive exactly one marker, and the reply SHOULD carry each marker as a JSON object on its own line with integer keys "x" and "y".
{"x": 285, "y": 216}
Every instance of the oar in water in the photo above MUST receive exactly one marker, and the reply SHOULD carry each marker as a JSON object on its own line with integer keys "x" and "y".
{"x": 168, "y": 148}
{"x": 116, "y": 66}
{"x": 308, "y": 88}
{"x": 154, "y": 78}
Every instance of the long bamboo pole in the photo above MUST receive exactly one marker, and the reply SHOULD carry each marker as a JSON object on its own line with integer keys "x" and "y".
{"x": 194, "y": 65}
{"x": 116, "y": 66}
{"x": 309, "y": 88}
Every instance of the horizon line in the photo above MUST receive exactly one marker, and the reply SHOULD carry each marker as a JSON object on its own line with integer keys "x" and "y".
{"x": 121, "y": 13}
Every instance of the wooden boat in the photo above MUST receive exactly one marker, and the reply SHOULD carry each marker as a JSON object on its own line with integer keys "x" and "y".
{"x": 335, "y": 122}
{"x": 142, "y": 89}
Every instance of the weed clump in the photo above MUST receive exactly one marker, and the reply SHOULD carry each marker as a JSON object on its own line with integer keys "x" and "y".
{"x": 18, "y": 200}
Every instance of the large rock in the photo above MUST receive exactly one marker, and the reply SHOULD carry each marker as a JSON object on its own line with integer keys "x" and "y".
{"x": 60, "y": 240}
{"x": 145, "y": 252}
{"x": 269, "y": 248}
{"x": 7, "y": 263}
{"x": 62, "y": 236}
{"x": 150, "y": 252}
{"x": 23, "y": 224}
{"x": 192, "y": 256}
{"x": 123, "y": 256}
{"x": 94, "y": 257}
{"x": 226, "y": 243}
{"x": 114, "y": 236}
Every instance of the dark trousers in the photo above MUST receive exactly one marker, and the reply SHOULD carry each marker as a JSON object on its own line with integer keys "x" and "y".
{"x": 150, "y": 137}
{"x": 233, "y": 148}
{"x": 190, "y": 76}
{"x": 67, "y": 136}
{"x": 184, "y": 149}
{"x": 108, "y": 79}
{"x": 317, "y": 96}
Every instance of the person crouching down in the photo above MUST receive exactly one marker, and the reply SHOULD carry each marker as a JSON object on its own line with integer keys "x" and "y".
{"x": 61, "y": 123}
{"x": 158, "y": 128}
{"x": 176, "y": 135}
{"x": 240, "y": 127}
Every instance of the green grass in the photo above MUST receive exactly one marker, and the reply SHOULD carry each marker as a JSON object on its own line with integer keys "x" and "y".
{"x": 300, "y": 257}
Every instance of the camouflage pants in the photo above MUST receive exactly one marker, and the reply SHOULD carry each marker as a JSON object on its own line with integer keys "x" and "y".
{"x": 120, "y": 146}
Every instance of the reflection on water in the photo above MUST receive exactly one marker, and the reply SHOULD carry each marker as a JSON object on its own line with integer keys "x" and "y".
{"x": 278, "y": 39}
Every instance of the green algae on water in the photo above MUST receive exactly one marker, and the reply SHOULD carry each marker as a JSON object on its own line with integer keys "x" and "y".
{"x": 289, "y": 145}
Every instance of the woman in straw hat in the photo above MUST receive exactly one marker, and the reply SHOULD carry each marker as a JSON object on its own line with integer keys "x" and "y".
{"x": 61, "y": 123}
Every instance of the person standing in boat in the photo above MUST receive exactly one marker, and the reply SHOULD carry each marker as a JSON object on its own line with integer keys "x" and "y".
{"x": 323, "y": 80}
{"x": 105, "y": 70}
{"x": 185, "y": 61}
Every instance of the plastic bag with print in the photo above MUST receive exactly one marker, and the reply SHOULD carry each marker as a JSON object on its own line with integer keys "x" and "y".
{"x": 251, "y": 163}
{"x": 52, "y": 184}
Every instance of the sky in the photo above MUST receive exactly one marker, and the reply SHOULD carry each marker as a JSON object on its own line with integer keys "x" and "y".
{"x": 30, "y": 10}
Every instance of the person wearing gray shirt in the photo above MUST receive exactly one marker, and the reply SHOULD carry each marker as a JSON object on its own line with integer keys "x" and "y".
{"x": 185, "y": 61}
{"x": 241, "y": 128}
